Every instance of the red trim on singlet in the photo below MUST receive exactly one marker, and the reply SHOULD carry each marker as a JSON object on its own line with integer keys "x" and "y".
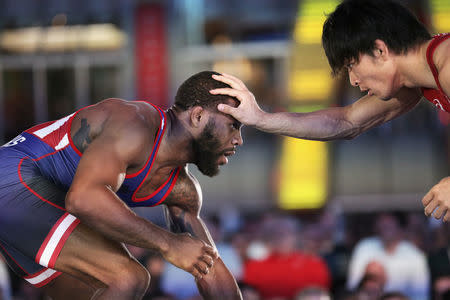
{"x": 30, "y": 189}
{"x": 436, "y": 41}
{"x": 169, "y": 190}
{"x": 61, "y": 242}
{"x": 46, "y": 280}
{"x": 49, "y": 235}
{"x": 4, "y": 249}
{"x": 69, "y": 130}
{"x": 133, "y": 197}
{"x": 162, "y": 118}
{"x": 26, "y": 185}
{"x": 136, "y": 199}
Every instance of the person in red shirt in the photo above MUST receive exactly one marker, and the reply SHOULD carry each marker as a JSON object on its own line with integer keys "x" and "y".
{"x": 285, "y": 271}
{"x": 388, "y": 54}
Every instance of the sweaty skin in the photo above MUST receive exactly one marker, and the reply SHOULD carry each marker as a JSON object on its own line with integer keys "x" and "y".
{"x": 116, "y": 138}
{"x": 402, "y": 75}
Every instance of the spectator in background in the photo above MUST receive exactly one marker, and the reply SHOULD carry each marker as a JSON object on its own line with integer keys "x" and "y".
{"x": 313, "y": 294}
{"x": 439, "y": 262}
{"x": 155, "y": 264}
{"x": 249, "y": 292}
{"x": 394, "y": 296}
{"x": 5, "y": 284}
{"x": 372, "y": 284}
{"x": 405, "y": 265}
{"x": 285, "y": 271}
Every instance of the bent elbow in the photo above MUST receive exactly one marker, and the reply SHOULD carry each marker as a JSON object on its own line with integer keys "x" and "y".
{"x": 74, "y": 202}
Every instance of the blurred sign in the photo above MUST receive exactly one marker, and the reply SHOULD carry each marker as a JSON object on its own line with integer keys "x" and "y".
{"x": 310, "y": 79}
{"x": 151, "y": 54}
{"x": 95, "y": 37}
{"x": 304, "y": 164}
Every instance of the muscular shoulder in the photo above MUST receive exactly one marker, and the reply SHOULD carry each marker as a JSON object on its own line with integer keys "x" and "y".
{"x": 130, "y": 125}
{"x": 187, "y": 193}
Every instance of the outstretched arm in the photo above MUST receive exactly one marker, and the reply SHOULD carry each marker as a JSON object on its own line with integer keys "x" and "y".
{"x": 327, "y": 124}
{"x": 182, "y": 215}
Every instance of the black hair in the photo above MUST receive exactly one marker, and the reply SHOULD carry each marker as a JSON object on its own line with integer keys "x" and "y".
{"x": 354, "y": 26}
{"x": 195, "y": 91}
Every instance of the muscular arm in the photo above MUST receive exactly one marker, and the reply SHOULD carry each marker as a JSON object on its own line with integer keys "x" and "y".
{"x": 328, "y": 124}
{"x": 182, "y": 215}
{"x": 339, "y": 122}
{"x": 99, "y": 175}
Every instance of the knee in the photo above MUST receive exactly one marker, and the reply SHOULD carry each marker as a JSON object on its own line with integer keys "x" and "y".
{"x": 131, "y": 278}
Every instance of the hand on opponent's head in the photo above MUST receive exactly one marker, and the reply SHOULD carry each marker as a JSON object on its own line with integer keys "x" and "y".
{"x": 247, "y": 112}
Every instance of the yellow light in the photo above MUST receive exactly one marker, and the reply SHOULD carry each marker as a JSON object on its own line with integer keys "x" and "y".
{"x": 303, "y": 173}
{"x": 310, "y": 85}
{"x": 312, "y": 15}
{"x": 440, "y": 15}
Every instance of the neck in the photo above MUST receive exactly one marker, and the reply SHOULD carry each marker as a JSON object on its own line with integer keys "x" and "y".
{"x": 414, "y": 70}
{"x": 177, "y": 137}
{"x": 391, "y": 246}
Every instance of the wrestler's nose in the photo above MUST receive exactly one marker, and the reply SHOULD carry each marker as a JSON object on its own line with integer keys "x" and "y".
{"x": 354, "y": 81}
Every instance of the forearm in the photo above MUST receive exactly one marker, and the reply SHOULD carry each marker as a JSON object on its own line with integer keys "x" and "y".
{"x": 219, "y": 283}
{"x": 108, "y": 215}
{"x": 322, "y": 125}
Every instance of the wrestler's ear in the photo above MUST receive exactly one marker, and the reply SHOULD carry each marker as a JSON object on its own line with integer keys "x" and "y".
{"x": 197, "y": 116}
{"x": 381, "y": 50}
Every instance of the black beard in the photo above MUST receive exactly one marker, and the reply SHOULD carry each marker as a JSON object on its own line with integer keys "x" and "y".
{"x": 205, "y": 151}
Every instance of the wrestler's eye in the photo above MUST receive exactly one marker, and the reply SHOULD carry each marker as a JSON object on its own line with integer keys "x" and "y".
{"x": 236, "y": 125}
{"x": 349, "y": 66}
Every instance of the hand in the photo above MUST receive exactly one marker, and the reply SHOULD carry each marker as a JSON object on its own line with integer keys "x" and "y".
{"x": 437, "y": 200}
{"x": 248, "y": 112}
{"x": 190, "y": 254}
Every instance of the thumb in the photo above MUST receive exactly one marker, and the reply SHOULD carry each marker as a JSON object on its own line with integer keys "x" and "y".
{"x": 226, "y": 108}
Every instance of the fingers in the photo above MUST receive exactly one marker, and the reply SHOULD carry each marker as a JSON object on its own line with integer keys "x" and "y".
{"x": 208, "y": 260}
{"x": 196, "y": 273}
{"x": 232, "y": 81}
{"x": 430, "y": 208}
{"x": 211, "y": 251}
{"x": 427, "y": 198}
{"x": 202, "y": 267}
{"x": 226, "y": 91}
{"x": 226, "y": 108}
{"x": 447, "y": 217}
{"x": 440, "y": 211}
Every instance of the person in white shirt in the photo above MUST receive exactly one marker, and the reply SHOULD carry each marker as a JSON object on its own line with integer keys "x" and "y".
{"x": 5, "y": 285}
{"x": 405, "y": 265}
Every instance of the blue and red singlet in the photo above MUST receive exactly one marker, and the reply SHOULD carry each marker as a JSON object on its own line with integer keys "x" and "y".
{"x": 36, "y": 170}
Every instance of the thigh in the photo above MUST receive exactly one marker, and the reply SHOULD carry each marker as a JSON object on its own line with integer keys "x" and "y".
{"x": 67, "y": 287}
{"x": 93, "y": 258}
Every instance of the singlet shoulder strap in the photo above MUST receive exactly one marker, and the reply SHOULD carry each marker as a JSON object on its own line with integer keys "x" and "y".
{"x": 437, "y": 39}
{"x": 157, "y": 141}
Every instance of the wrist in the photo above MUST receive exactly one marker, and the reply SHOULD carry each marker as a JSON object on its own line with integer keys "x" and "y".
{"x": 165, "y": 243}
{"x": 262, "y": 119}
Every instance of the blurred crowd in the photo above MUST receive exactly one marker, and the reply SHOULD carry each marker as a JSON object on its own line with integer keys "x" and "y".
{"x": 315, "y": 255}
